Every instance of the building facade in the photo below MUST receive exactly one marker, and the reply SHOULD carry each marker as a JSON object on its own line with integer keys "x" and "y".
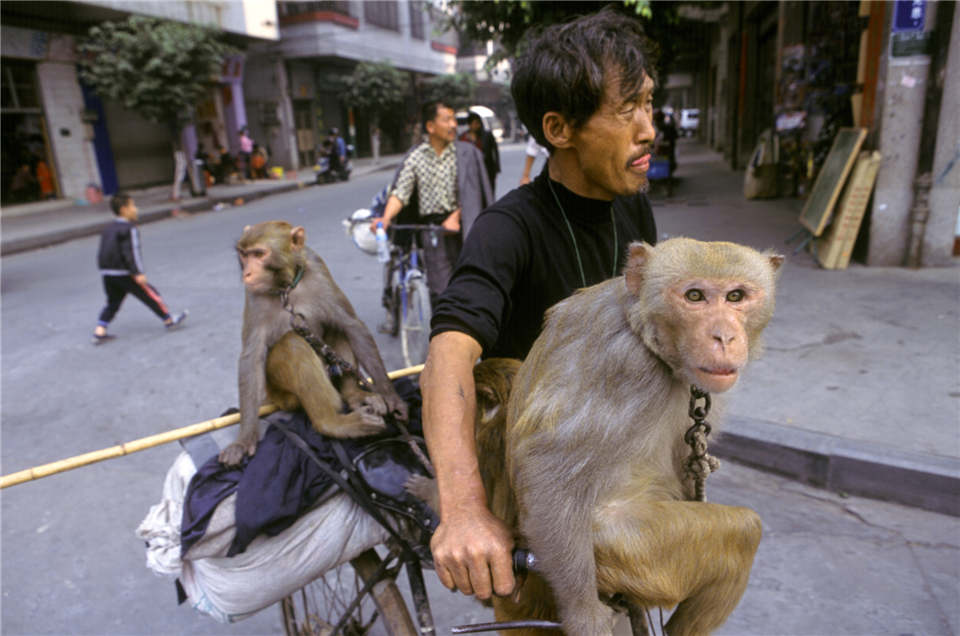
{"x": 59, "y": 140}
{"x": 293, "y": 86}
{"x": 803, "y": 70}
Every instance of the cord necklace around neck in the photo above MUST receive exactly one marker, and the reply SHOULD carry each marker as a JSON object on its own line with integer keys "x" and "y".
{"x": 576, "y": 248}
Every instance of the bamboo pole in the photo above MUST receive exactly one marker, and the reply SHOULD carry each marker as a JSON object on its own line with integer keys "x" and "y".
{"x": 45, "y": 470}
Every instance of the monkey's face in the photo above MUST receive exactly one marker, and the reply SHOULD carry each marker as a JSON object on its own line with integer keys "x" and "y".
{"x": 255, "y": 268}
{"x": 701, "y": 307}
{"x": 269, "y": 254}
{"x": 710, "y": 329}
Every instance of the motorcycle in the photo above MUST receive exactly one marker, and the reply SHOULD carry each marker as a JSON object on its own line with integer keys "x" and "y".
{"x": 325, "y": 174}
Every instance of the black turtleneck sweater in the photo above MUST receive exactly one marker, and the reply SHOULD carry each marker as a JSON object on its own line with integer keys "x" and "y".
{"x": 519, "y": 260}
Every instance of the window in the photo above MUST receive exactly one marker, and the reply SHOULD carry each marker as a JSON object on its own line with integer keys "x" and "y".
{"x": 296, "y": 8}
{"x": 381, "y": 13}
{"x": 19, "y": 81}
{"x": 416, "y": 19}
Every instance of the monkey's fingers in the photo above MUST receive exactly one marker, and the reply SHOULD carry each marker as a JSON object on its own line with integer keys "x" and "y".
{"x": 233, "y": 454}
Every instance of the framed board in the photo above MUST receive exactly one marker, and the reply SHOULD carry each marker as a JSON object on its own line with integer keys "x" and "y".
{"x": 836, "y": 245}
{"x": 829, "y": 183}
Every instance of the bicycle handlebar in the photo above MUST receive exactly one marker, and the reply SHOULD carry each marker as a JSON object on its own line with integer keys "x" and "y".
{"x": 524, "y": 561}
{"x": 427, "y": 227}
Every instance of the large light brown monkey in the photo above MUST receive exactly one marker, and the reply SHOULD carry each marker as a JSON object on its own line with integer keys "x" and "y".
{"x": 273, "y": 257}
{"x": 594, "y": 440}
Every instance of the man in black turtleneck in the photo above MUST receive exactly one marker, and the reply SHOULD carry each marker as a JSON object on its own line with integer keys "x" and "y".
{"x": 584, "y": 90}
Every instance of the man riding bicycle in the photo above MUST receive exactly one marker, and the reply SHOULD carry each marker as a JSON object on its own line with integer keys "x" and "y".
{"x": 584, "y": 90}
{"x": 451, "y": 186}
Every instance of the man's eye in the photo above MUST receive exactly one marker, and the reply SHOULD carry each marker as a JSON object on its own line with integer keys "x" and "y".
{"x": 735, "y": 296}
{"x": 694, "y": 295}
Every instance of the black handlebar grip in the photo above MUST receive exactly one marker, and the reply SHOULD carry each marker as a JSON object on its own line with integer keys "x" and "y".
{"x": 523, "y": 561}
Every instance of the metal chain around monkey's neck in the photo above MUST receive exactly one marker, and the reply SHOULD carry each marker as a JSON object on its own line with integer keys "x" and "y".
{"x": 338, "y": 366}
{"x": 699, "y": 463}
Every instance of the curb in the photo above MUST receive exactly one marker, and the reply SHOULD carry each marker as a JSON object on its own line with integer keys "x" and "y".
{"x": 864, "y": 468}
{"x": 55, "y": 237}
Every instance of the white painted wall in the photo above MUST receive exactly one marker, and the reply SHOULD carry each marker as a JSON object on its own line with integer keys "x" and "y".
{"x": 254, "y": 18}
{"x": 70, "y": 139}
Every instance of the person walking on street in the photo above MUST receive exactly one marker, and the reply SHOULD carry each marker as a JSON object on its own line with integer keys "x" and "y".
{"x": 452, "y": 188}
{"x": 121, "y": 267}
{"x": 484, "y": 140}
{"x": 584, "y": 89}
{"x": 246, "y": 149}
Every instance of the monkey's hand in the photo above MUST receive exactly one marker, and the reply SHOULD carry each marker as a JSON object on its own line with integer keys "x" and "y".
{"x": 359, "y": 423}
{"x": 371, "y": 402}
{"x": 233, "y": 454}
{"x": 397, "y": 406}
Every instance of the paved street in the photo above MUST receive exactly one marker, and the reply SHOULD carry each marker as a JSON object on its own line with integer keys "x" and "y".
{"x": 71, "y": 564}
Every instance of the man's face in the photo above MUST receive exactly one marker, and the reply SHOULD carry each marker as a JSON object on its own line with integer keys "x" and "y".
{"x": 443, "y": 127}
{"x": 614, "y": 145}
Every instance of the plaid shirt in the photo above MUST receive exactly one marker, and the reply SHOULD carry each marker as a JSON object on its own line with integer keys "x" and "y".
{"x": 435, "y": 177}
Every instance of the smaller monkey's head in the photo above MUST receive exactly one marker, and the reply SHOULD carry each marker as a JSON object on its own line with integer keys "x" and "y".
{"x": 269, "y": 254}
{"x": 701, "y": 307}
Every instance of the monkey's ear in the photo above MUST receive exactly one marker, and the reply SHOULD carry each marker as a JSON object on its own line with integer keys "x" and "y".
{"x": 246, "y": 228}
{"x": 637, "y": 257}
{"x": 776, "y": 260}
{"x": 556, "y": 129}
{"x": 298, "y": 237}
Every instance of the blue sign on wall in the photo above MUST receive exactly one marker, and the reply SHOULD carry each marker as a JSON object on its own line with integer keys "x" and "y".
{"x": 909, "y": 15}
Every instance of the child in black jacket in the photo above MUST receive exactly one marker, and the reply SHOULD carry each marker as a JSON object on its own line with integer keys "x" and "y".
{"x": 122, "y": 269}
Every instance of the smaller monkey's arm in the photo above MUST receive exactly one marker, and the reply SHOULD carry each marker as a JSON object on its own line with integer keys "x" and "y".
{"x": 470, "y": 544}
{"x": 252, "y": 380}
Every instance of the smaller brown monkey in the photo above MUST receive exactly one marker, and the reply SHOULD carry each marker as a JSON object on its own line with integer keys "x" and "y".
{"x": 279, "y": 366}
{"x": 594, "y": 479}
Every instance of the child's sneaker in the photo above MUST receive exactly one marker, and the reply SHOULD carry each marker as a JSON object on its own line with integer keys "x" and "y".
{"x": 97, "y": 339}
{"x": 177, "y": 320}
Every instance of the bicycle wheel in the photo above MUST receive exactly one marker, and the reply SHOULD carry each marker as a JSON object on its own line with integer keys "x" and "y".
{"x": 415, "y": 323}
{"x": 314, "y": 609}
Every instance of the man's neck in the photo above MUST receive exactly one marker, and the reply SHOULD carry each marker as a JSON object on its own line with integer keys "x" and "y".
{"x": 438, "y": 144}
{"x": 564, "y": 168}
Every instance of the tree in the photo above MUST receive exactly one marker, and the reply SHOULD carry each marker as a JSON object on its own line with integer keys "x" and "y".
{"x": 375, "y": 89}
{"x": 155, "y": 68}
{"x": 506, "y": 23}
{"x": 456, "y": 89}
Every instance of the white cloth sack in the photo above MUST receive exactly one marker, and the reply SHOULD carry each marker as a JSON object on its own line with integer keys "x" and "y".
{"x": 232, "y": 588}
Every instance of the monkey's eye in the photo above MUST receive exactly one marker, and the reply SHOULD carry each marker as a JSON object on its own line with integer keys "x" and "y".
{"x": 694, "y": 295}
{"x": 735, "y": 296}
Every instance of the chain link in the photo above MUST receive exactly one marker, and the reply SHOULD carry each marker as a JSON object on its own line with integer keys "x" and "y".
{"x": 338, "y": 366}
{"x": 699, "y": 464}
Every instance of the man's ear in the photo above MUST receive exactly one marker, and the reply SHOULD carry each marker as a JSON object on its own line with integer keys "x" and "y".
{"x": 557, "y": 130}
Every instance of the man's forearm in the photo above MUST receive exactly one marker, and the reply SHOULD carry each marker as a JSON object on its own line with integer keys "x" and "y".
{"x": 449, "y": 407}
{"x": 392, "y": 209}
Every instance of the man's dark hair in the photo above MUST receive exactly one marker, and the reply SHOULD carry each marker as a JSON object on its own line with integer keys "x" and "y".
{"x": 429, "y": 111}
{"x": 563, "y": 67}
{"x": 119, "y": 201}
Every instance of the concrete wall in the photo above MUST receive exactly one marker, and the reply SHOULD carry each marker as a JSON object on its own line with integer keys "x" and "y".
{"x": 254, "y": 18}
{"x": 70, "y": 138}
{"x": 902, "y": 104}
{"x": 269, "y": 112}
{"x": 945, "y": 194}
{"x": 368, "y": 43}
